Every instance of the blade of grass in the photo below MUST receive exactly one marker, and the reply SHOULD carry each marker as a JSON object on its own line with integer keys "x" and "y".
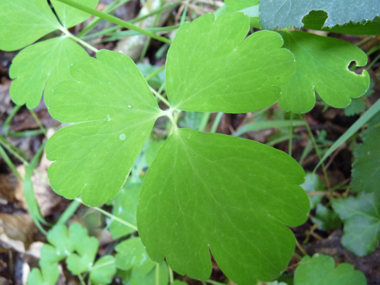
{"x": 30, "y": 198}
{"x": 216, "y": 122}
{"x": 112, "y": 7}
{"x": 70, "y": 210}
{"x": 351, "y": 131}
{"x": 7, "y": 122}
{"x": 205, "y": 118}
{"x": 267, "y": 125}
{"x": 18, "y": 153}
{"x": 113, "y": 19}
{"x": 8, "y": 161}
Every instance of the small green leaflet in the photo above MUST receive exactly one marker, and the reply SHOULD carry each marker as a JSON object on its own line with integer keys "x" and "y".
{"x": 114, "y": 112}
{"x": 82, "y": 260}
{"x": 327, "y": 218}
{"x": 23, "y": 22}
{"x": 125, "y": 206}
{"x": 312, "y": 184}
{"x": 234, "y": 197}
{"x": 131, "y": 254}
{"x": 103, "y": 270}
{"x": 320, "y": 269}
{"x": 366, "y": 167}
{"x": 322, "y": 67}
{"x": 287, "y": 13}
{"x": 361, "y": 218}
{"x": 41, "y": 66}
{"x": 211, "y": 68}
{"x": 70, "y": 16}
{"x": 48, "y": 274}
{"x": 316, "y": 19}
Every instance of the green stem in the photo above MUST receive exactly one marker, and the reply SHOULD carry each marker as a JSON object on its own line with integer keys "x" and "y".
{"x": 157, "y": 273}
{"x": 154, "y": 73}
{"x": 8, "y": 161}
{"x": 373, "y": 62}
{"x": 159, "y": 96}
{"x": 38, "y": 122}
{"x": 171, "y": 275}
{"x": 111, "y": 216}
{"x": 202, "y": 125}
{"x": 317, "y": 152}
{"x": 112, "y": 7}
{"x": 290, "y": 146}
{"x": 102, "y": 265}
{"x": 113, "y": 19}
{"x": 70, "y": 210}
{"x": 216, "y": 122}
{"x": 83, "y": 43}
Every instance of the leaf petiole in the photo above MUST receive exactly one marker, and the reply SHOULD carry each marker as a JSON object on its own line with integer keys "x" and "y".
{"x": 78, "y": 40}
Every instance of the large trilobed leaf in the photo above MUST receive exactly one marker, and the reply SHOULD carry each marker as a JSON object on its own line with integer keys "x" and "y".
{"x": 70, "y": 16}
{"x": 320, "y": 269}
{"x": 114, "y": 112}
{"x": 286, "y": 13}
{"x": 322, "y": 66}
{"x": 22, "y": 22}
{"x": 211, "y": 68}
{"x": 40, "y": 66}
{"x": 361, "y": 218}
{"x": 233, "y": 197}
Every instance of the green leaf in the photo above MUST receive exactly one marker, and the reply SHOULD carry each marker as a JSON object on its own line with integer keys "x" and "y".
{"x": 70, "y": 16}
{"x": 48, "y": 274}
{"x": 40, "y": 66}
{"x": 23, "y": 22}
{"x": 114, "y": 112}
{"x": 320, "y": 269}
{"x": 366, "y": 167}
{"x": 131, "y": 253}
{"x": 124, "y": 207}
{"x": 86, "y": 248}
{"x": 63, "y": 241}
{"x": 322, "y": 67}
{"x": 361, "y": 218}
{"x": 355, "y": 108}
{"x": 225, "y": 194}
{"x": 150, "y": 278}
{"x": 249, "y": 7}
{"x": 287, "y": 13}
{"x": 211, "y": 68}
{"x": 103, "y": 270}
{"x": 315, "y": 20}
{"x": 328, "y": 218}
{"x": 312, "y": 184}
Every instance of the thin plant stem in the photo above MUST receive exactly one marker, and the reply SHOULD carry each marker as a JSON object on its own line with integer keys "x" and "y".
{"x": 70, "y": 210}
{"x": 373, "y": 62}
{"x": 81, "y": 280}
{"x": 83, "y": 43}
{"x": 97, "y": 20}
{"x": 157, "y": 273}
{"x": 202, "y": 125}
{"x": 114, "y": 20}
{"x": 171, "y": 275}
{"x": 111, "y": 216}
{"x": 317, "y": 152}
{"x": 290, "y": 146}
{"x": 159, "y": 96}
{"x": 216, "y": 122}
{"x": 154, "y": 73}
{"x": 38, "y": 122}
